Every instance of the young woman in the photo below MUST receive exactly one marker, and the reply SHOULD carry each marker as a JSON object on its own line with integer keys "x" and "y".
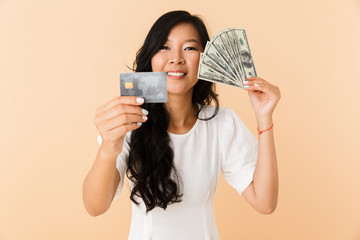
{"x": 173, "y": 153}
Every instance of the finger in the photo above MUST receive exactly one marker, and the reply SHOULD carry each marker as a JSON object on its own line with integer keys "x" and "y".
{"x": 124, "y": 119}
{"x": 256, "y": 80}
{"x": 256, "y": 84}
{"x": 122, "y": 109}
{"x": 259, "y": 86}
{"x": 129, "y": 100}
{"x": 270, "y": 90}
{"x": 121, "y": 131}
{"x": 253, "y": 87}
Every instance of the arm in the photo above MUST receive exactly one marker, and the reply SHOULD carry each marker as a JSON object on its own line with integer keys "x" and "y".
{"x": 100, "y": 184}
{"x": 262, "y": 193}
{"x": 113, "y": 120}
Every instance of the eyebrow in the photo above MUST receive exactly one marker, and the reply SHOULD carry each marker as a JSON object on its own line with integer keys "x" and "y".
{"x": 192, "y": 40}
{"x": 189, "y": 40}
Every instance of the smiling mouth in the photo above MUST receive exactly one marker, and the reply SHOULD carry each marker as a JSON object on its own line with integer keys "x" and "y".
{"x": 176, "y": 74}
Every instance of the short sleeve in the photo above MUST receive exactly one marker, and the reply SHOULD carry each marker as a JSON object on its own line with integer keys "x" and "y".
{"x": 121, "y": 161}
{"x": 239, "y": 152}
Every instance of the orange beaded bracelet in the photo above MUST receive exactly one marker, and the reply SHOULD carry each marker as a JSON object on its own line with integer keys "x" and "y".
{"x": 260, "y": 132}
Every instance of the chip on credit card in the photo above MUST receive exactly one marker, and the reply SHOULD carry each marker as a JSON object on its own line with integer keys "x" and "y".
{"x": 149, "y": 85}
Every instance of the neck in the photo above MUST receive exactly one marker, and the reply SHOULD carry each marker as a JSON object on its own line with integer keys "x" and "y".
{"x": 182, "y": 113}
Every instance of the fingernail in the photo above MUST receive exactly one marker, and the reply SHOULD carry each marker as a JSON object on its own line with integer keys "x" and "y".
{"x": 145, "y": 117}
{"x": 140, "y": 100}
{"x": 246, "y": 82}
{"x": 256, "y": 85}
{"x": 144, "y": 111}
{"x": 139, "y": 123}
{"x": 246, "y": 86}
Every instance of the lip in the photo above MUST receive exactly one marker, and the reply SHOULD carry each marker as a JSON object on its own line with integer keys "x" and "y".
{"x": 176, "y": 77}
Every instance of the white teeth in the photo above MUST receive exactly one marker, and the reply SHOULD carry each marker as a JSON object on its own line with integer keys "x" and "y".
{"x": 177, "y": 74}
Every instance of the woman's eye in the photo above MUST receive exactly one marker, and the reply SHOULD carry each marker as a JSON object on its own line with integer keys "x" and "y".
{"x": 190, "y": 48}
{"x": 164, "y": 48}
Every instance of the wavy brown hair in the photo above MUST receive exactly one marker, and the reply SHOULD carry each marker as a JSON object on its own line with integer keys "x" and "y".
{"x": 151, "y": 159}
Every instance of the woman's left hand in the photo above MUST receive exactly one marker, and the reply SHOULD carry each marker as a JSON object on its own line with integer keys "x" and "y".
{"x": 263, "y": 96}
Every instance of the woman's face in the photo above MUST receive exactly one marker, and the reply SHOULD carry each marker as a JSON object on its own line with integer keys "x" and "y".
{"x": 179, "y": 58}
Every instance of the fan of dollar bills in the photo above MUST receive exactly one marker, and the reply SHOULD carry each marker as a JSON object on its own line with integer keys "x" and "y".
{"x": 227, "y": 59}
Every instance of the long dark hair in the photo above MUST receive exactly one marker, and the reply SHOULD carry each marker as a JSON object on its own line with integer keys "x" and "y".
{"x": 150, "y": 165}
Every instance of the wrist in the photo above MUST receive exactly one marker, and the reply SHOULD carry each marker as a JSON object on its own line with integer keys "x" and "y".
{"x": 264, "y": 122}
{"x": 108, "y": 152}
{"x": 265, "y": 130}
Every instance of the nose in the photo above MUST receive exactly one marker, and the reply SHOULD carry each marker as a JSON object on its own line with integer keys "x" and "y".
{"x": 177, "y": 57}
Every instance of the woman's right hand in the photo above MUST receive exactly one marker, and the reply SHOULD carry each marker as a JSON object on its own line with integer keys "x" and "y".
{"x": 116, "y": 118}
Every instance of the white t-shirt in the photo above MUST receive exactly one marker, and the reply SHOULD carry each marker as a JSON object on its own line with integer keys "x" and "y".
{"x": 220, "y": 144}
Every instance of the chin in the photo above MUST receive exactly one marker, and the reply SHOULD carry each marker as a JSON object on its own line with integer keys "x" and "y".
{"x": 179, "y": 91}
{"x": 180, "y": 88}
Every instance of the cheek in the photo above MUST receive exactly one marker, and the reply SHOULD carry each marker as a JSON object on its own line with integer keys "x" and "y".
{"x": 195, "y": 62}
{"x": 157, "y": 63}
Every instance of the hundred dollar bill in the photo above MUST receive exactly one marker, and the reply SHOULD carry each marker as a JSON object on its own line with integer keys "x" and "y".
{"x": 236, "y": 50}
{"x": 211, "y": 52}
{"x": 221, "y": 49}
{"x": 206, "y": 73}
{"x": 229, "y": 49}
{"x": 245, "y": 54}
{"x": 206, "y": 60}
{"x": 228, "y": 84}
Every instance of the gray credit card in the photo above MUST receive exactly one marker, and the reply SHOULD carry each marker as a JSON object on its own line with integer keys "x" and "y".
{"x": 149, "y": 85}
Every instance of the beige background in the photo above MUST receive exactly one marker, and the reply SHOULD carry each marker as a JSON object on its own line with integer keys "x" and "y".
{"x": 60, "y": 60}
